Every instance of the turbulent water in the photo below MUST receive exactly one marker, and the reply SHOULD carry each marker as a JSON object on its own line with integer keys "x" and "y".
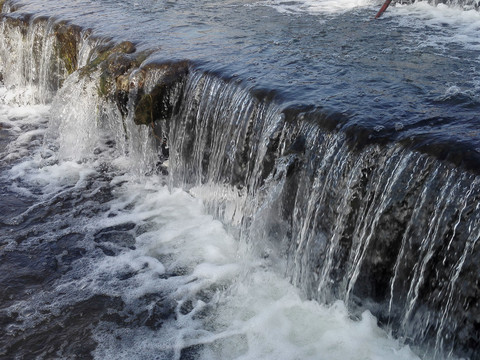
{"x": 105, "y": 262}
{"x": 304, "y": 184}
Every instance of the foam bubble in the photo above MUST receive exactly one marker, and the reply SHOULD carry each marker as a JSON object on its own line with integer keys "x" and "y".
{"x": 274, "y": 322}
{"x": 441, "y": 25}
{"x": 316, "y": 7}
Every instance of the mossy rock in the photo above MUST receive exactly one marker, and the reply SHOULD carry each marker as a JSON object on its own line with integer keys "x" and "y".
{"x": 68, "y": 38}
{"x": 116, "y": 70}
{"x": 144, "y": 111}
{"x": 118, "y": 64}
{"x": 114, "y": 61}
{"x": 104, "y": 52}
{"x": 158, "y": 104}
{"x": 123, "y": 82}
{"x": 126, "y": 47}
{"x": 114, "y": 66}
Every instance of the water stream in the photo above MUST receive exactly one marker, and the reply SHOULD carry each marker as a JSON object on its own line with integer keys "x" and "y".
{"x": 311, "y": 192}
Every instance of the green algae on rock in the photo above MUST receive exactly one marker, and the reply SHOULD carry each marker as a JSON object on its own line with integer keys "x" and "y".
{"x": 68, "y": 38}
{"x": 162, "y": 101}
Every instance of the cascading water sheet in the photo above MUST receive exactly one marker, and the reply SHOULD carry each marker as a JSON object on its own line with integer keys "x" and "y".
{"x": 125, "y": 267}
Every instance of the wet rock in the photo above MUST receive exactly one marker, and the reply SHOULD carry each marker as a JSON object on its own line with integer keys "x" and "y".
{"x": 104, "y": 57}
{"x": 39, "y": 267}
{"x": 114, "y": 239}
{"x": 126, "y": 47}
{"x": 122, "y": 239}
{"x": 108, "y": 250}
{"x": 191, "y": 352}
{"x": 116, "y": 65}
{"x": 68, "y": 39}
{"x": 162, "y": 101}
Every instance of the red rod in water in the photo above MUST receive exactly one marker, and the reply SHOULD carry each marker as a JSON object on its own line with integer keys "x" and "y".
{"x": 383, "y": 8}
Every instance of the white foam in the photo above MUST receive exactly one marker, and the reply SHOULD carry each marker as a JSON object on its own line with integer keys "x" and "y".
{"x": 445, "y": 24}
{"x": 316, "y": 6}
{"x": 251, "y": 312}
{"x": 276, "y": 323}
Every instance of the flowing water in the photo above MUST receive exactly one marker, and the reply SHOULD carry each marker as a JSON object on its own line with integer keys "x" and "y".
{"x": 308, "y": 188}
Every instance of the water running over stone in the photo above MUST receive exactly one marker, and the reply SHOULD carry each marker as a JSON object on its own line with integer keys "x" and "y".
{"x": 345, "y": 215}
{"x": 377, "y": 226}
{"x": 102, "y": 263}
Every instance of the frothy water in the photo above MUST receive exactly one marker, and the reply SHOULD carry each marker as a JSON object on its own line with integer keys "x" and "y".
{"x": 446, "y": 25}
{"x": 164, "y": 278}
{"x": 317, "y": 7}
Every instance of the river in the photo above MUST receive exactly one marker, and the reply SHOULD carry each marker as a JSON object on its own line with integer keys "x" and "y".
{"x": 305, "y": 188}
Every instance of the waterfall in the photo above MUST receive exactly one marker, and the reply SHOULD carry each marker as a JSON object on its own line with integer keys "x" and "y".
{"x": 381, "y": 227}
{"x": 378, "y": 225}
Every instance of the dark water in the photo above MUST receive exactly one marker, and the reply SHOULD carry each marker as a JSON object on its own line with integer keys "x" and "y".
{"x": 413, "y": 75}
{"x": 341, "y": 154}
